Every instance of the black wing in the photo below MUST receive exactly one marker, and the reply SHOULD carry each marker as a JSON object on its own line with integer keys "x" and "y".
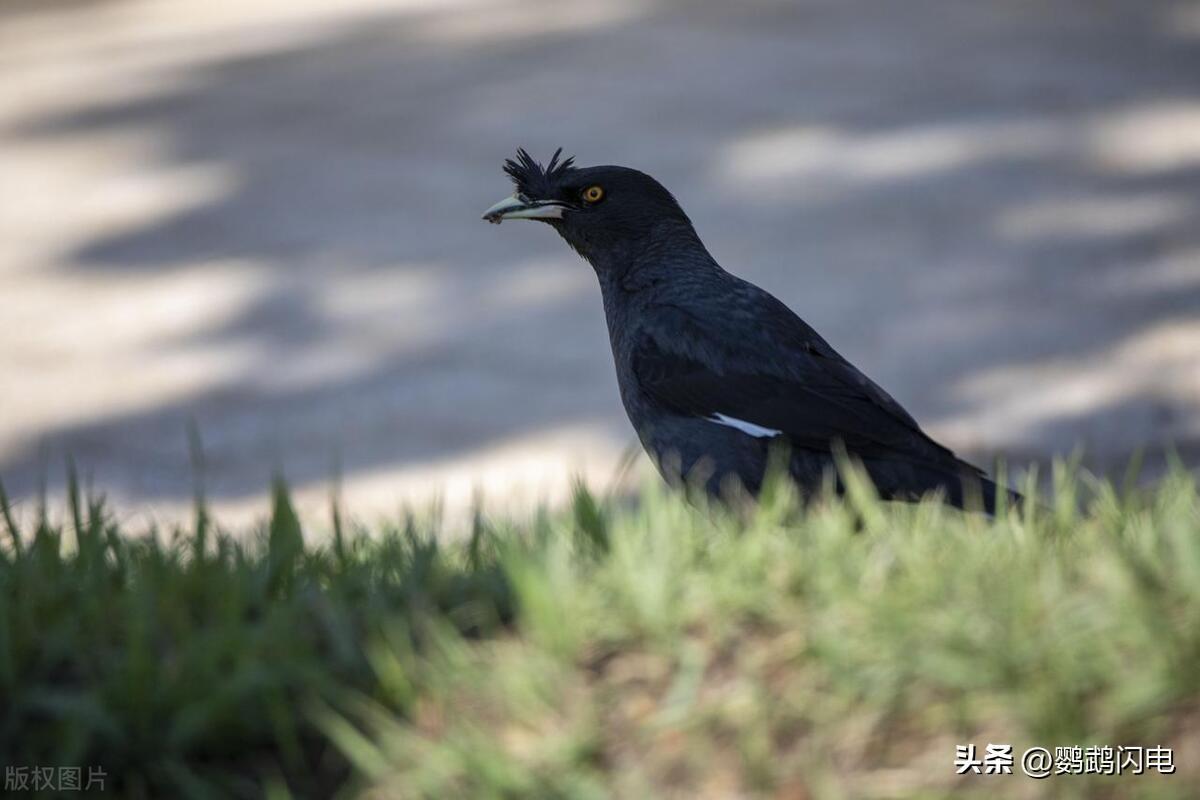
{"x": 803, "y": 389}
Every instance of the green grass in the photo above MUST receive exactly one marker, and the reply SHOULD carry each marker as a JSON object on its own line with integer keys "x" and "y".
{"x": 646, "y": 650}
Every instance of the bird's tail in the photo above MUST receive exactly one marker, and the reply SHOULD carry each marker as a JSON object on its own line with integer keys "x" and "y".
{"x": 964, "y": 487}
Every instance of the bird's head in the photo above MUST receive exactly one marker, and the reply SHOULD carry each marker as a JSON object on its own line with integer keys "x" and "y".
{"x": 598, "y": 210}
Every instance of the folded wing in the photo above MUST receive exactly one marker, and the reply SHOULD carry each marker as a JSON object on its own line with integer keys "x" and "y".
{"x": 806, "y": 392}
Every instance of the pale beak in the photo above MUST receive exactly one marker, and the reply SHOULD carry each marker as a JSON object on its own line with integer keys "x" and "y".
{"x": 516, "y": 208}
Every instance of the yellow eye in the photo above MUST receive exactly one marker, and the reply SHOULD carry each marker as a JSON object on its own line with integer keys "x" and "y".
{"x": 593, "y": 194}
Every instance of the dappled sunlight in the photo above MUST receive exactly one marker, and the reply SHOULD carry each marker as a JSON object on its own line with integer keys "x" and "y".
{"x": 102, "y": 194}
{"x": 1182, "y": 19}
{"x": 395, "y": 313}
{"x": 1177, "y": 272}
{"x": 507, "y": 477}
{"x": 109, "y": 353}
{"x": 540, "y": 281}
{"x": 1140, "y": 138}
{"x": 498, "y": 20}
{"x": 829, "y": 157}
{"x": 1095, "y": 216}
{"x": 1155, "y": 137}
{"x": 1055, "y": 401}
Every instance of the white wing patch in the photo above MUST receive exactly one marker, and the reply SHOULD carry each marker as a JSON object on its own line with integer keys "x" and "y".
{"x": 757, "y": 431}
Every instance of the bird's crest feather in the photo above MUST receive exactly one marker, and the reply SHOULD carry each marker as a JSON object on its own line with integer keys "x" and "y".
{"x": 531, "y": 179}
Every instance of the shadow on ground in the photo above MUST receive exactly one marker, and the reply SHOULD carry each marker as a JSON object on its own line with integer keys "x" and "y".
{"x": 991, "y": 208}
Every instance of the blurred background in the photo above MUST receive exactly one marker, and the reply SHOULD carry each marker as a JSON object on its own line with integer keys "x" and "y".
{"x": 262, "y": 218}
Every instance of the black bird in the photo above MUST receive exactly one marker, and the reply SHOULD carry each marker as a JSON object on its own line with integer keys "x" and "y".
{"x": 715, "y": 372}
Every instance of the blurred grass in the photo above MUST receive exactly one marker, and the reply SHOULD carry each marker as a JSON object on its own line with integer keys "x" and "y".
{"x": 652, "y": 650}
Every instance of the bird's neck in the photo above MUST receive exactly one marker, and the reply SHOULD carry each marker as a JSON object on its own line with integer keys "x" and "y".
{"x": 672, "y": 248}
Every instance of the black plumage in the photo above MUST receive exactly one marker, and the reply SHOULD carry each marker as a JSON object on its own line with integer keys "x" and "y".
{"x": 715, "y": 372}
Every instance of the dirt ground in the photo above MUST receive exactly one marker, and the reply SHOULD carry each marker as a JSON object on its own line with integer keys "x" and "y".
{"x": 261, "y": 219}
